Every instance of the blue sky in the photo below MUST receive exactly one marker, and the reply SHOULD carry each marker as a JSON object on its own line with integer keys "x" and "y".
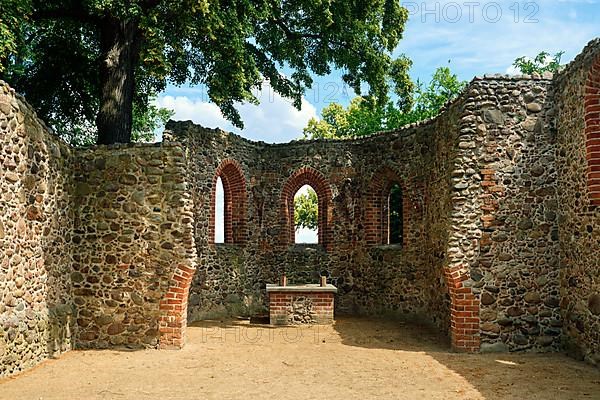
{"x": 477, "y": 37}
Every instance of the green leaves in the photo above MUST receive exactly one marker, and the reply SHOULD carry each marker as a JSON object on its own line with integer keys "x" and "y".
{"x": 147, "y": 119}
{"x": 306, "y": 210}
{"x": 540, "y": 64}
{"x": 12, "y": 19}
{"x": 443, "y": 87}
{"x": 364, "y": 117}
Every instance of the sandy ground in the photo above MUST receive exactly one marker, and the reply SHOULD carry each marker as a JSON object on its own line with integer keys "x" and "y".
{"x": 355, "y": 359}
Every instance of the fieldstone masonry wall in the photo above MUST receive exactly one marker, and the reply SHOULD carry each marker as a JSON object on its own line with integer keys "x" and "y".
{"x": 132, "y": 232}
{"x": 113, "y": 246}
{"x": 37, "y": 313}
{"x": 506, "y": 191}
{"x": 577, "y": 103}
{"x": 373, "y": 278}
{"x": 97, "y": 244}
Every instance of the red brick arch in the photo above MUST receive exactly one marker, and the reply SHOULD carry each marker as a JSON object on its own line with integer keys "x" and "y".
{"x": 592, "y": 131}
{"x": 234, "y": 192}
{"x": 312, "y": 177}
{"x": 376, "y": 211}
{"x": 173, "y": 308}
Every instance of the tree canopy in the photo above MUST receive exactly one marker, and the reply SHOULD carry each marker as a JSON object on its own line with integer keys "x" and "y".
{"x": 543, "y": 62}
{"x": 306, "y": 209}
{"x": 363, "y": 117}
{"x": 88, "y": 64}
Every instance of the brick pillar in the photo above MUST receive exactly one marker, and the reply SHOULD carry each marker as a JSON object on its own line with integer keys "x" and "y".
{"x": 173, "y": 309}
{"x": 464, "y": 310}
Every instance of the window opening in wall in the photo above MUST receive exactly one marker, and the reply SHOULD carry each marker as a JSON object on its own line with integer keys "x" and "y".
{"x": 395, "y": 217}
{"x": 219, "y": 212}
{"x": 306, "y": 215}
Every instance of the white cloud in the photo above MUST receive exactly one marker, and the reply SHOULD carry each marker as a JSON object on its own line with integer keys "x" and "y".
{"x": 274, "y": 120}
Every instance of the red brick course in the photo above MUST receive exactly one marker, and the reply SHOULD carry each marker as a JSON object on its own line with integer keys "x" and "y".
{"x": 592, "y": 131}
{"x": 464, "y": 312}
{"x": 280, "y": 304}
{"x": 173, "y": 308}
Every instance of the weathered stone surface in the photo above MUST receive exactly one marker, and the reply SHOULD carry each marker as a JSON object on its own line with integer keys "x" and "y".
{"x": 487, "y": 299}
{"x": 104, "y": 319}
{"x": 494, "y": 116}
{"x": 36, "y": 314}
{"x": 495, "y": 347}
{"x": 533, "y": 298}
{"x": 594, "y": 304}
{"x": 579, "y": 221}
{"x": 514, "y": 311}
{"x": 82, "y": 189}
{"x": 121, "y": 249}
{"x": 490, "y": 327}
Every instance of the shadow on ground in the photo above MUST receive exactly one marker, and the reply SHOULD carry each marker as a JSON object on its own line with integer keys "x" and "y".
{"x": 501, "y": 375}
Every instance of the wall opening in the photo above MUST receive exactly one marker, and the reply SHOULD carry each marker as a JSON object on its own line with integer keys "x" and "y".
{"x": 395, "y": 215}
{"x": 306, "y": 215}
{"x": 386, "y": 210}
{"x": 233, "y": 214}
{"x": 313, "y": 178}
{"x": 219, "y": 212}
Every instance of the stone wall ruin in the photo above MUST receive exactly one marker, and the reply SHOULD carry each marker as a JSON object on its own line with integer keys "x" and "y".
{"x": 114, "y": 246}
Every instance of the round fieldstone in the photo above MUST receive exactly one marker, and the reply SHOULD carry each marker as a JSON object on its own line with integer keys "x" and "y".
{"x": 103, "y": 319}
{"x": 487, "y": 299}
{"x": 497, "y": 347}
{"x": 116, "y": 328}
{"x": 594, "y": 304}
{"x": 515, "y": 311}
{"x": 533, "y": 297}
{"x": 521, "y": 340}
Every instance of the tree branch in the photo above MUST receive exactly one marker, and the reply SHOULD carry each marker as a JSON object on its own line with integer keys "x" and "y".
{"x": 149, "y": 4}
{"x": 298, "y": 35}
{"x": 76, "y": 14}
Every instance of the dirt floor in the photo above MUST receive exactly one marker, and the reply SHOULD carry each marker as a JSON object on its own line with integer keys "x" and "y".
{"x": 355, "y": 359}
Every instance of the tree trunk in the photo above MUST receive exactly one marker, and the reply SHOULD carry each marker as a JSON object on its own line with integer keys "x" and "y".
{"x": 119, "y": 51}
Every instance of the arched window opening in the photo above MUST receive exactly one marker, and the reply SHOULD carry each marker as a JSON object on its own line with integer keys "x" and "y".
{"x": 395, "y": 215}
{"x": 297, "y": 183}
{"x": 219, "y": 212}
{"x": 387, "y": 214}
{"x": 228, "y": 205}
{"x": 306, "y": 215}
